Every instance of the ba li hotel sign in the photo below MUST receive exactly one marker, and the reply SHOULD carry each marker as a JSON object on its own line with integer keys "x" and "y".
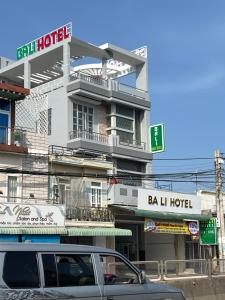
{"x": 28, "y": 215}
{"x": 45, "y": 41}
{"x": 165, "y": 201}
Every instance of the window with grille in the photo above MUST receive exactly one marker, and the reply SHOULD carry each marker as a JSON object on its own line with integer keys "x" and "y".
{"x": 96, "y": 194}
{"x": 82, "y": 118}
{"x": 12, "y": 188}
{"x": 124, "y": 123}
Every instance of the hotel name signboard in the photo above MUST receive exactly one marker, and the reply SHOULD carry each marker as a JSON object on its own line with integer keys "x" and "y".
{"x": 45, "y": 41}
{"x": 165, "y": 201}
{"x": 31, "y": 215}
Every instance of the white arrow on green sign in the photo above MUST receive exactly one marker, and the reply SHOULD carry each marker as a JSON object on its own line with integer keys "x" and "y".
{"x": 157, "y": 138}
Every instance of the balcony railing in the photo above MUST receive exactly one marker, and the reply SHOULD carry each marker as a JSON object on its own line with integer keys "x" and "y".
{"x": 133, "y": 143}
{"x": 89, "y": 78}
{"x": 109, "y": 84}
{"x": 93, "y": 136}
{"x": 12, "y": 136}
{"x": 101, "y": 214}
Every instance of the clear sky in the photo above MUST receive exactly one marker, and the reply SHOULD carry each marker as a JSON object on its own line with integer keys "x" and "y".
{"x": 186, "y": 48}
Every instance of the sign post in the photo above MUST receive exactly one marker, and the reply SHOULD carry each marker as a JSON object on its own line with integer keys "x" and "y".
{"x": 157, "y": 138}
{"x": 208, "y": 232}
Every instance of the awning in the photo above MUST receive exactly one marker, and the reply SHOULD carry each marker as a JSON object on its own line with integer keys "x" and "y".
{"x": 33, "y": 230}
{"x": 98, "y": 231}
{"x": 160, "y": 215}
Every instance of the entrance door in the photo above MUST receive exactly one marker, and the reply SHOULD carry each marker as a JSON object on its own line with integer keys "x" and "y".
{"x": 4, "y": 122}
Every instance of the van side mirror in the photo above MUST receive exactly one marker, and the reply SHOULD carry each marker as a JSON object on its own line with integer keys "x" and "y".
{"x": 142, "y": 277}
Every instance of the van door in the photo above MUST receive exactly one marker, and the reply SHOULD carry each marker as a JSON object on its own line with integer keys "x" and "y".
{"x": 69, "y": 276}
{"x": 20, "y": 276}
{"x": 121, "y": 281}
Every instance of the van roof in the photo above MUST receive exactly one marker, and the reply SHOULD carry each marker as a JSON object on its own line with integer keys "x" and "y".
{"x": 45, "y": 247}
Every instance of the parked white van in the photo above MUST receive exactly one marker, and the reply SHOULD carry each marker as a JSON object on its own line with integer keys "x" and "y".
{"x": 54, "y": 271}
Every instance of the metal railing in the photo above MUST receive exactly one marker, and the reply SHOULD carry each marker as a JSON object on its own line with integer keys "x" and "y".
{"x": 12, "y": 136}
{"x": 93, "y": 136}
{"x": 101, "y": 214}
{"x": 89, "y": 78}
{"x": 133, "y": 143}
{"x": 109, "y": 84}
{"x": 181, "y": 269}
{"x": 186, "y": 268}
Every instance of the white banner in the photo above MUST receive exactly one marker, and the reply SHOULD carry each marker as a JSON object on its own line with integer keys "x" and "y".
{"x": 165, "y": 201}
{"x": 22, "y": 215}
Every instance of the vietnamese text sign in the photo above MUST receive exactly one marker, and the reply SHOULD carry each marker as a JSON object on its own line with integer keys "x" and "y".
{"x": 188, "y": 228}
{"x": 45, "y": 41}
{"x": 157, "y": 138}
{"x": 208, "y": 232}
{"x": 21, "y": 215}
{"x": 158, "y": 200}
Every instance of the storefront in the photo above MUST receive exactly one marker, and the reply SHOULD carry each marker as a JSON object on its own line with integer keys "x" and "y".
{"x": 164, "y": 225}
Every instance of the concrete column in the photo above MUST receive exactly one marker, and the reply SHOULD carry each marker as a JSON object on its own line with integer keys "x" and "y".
{"x": 113, "y": 118}
{"x": 142, "y": 76}
{"x": 100, "y": 241}
{"x": 104, "y": 68}
{"x": 110, "y": 242}
{"x": 27, "y": 74}
{"x": 145, "y": 122}
{"x": 66, "y": 62}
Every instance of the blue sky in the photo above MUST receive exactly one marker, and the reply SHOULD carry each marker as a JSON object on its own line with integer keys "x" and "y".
{"x": 186, "y": 48}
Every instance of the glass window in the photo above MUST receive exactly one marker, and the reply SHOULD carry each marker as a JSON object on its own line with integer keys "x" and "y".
{"x": 124, "y": 123}
{"x": 75, "y": 270}
{"x": 124, "y": 110}
{"x": 4, "y": 105}
{"x": 12, "y": 188}
{"x": 82, "y": 118}
{"x": 49, "y": 267}
{"x": 21, "y": 270}
{"x": 125, "y": 137}
{"x": 116, "y": 271}
{"x": 96, "y": 194}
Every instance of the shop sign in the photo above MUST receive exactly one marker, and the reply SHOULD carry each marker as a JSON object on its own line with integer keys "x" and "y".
{"x": 165, "y": 201}
{"x": 187, "y": 228}
{"x": 157, "y": 138}
{"x": 208, "y": 232}
{"x": 45, "y": 41}
{"x": 22, "y": 215}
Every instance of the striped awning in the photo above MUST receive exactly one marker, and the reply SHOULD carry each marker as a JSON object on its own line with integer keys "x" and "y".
{"x": 98, "y": 231}
{"x": 33, "y": 230}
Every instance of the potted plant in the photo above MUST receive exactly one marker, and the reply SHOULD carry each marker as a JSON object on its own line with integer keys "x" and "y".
{"x": 18, "y": 137}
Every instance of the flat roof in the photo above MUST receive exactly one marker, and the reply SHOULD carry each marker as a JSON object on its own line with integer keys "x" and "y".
{"x": 46, "y": 64}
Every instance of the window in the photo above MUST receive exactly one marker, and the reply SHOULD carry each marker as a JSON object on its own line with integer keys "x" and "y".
{"x": 68, "y": 270}
{"x": 12, "y": 188}
{"x": 123, "y": 192}
{"x": 124, "y": 110}
{"x": 125, "y": 137}
{"x": 82, "y": 118}
{"x": 21, "y": 270}
{"x": 96, "y": 194}
{"x": 4, "y": 105}
{"x": 116, "y": 271}
{"x": 124, "y": 123}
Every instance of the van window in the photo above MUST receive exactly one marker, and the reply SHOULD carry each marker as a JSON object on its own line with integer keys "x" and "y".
{"x": 116, "y": 271}
{"x": 21, "y": 270}
{"x": 68, "y": 270}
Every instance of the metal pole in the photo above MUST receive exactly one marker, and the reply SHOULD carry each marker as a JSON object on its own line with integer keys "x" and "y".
{"x": 219, "y": 202}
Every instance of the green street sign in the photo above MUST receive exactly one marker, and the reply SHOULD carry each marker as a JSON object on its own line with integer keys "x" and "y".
{"x": 157, "y": 138}
{"x": 208, "y": 232}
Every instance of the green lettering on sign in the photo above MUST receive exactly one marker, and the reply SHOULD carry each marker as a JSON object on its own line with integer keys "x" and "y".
{"x": 208, "y": 232}
{"x": 157, "y": 138}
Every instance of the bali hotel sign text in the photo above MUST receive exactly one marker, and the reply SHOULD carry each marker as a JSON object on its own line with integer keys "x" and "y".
{"x": 166, "y": 201}
{"x": 45, "y": 41}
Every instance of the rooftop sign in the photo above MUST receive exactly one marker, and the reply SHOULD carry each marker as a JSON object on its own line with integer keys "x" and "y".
{"x": 45, "y": 41}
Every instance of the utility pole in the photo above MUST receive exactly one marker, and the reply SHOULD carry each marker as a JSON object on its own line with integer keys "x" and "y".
{"x": 219, "y": 201}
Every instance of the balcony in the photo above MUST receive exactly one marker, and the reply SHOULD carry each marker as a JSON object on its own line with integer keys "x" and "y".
{"x": 88, "y": 140}
{"x": 101, "y": 214}
{"x": 99, "y": 88}
{"x": 13, "y": 140}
